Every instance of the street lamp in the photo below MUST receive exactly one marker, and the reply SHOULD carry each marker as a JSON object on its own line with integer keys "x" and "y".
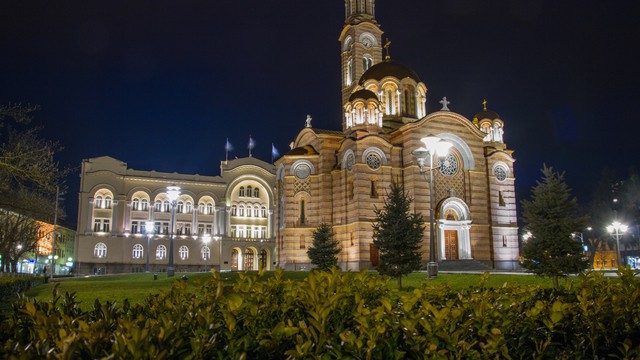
{"x": 617, "y": 229}
{"x": 172, "y": 193}
{"x": 433, "y": 145}
{"x": 207, "y": 239}
{"x": 148, "y": 228}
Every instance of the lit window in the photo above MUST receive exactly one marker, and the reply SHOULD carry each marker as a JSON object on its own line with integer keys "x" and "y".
{"x": 241, "y": 191}
{"x": 144, "y": 204}
{"x": 206, "y": 253}
{"x": 166, "y": 206}
{"x": 209, "y": 208}
{"x": 187, "y": 229}
{"x": 161, "y": 252}
{"x": 201, "y": 208}
{"x": 137, "y": 251}
{"x": 249, "y": 191}
{"x": 165, "y": 228}
{"x": 233, "y": 231}
{"x": 241, "y": 210}
{"x": 234, "y": 210}
{"x": 158, "y": 205}
{"x": 100, "y": 250}
{"x": 200, "y": 229}
{"x": 180, "y": 207}
{"x": 256, "y": 211}
{"x": 134, "y": 227}
{"x": 189, "y": 207}
{"x": 207, "y": 229}
{"x": 98, "y": 202}
{"x": 183, "y": 252}
{"x": 135, "y": 204}
{"x": 264, "y": 212}
{"x": 107, "y": 202}
{"x": 256, "y": 192}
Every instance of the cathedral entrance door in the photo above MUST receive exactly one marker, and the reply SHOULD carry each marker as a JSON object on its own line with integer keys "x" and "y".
{"x": 451, "y": 244}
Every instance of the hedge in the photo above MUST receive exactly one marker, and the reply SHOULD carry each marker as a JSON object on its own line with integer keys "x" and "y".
{"x": 11, "y": 286}
{"x": 336, "y": 315}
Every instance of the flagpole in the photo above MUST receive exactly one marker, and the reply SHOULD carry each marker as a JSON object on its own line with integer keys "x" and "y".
{"x": 272, "y": 153}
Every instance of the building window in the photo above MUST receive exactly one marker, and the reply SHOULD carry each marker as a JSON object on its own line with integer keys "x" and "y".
{"x": 107, "y": 202}
{"x": 183, "y": 252}
{"x": 189, "y": 208}
{"x": 501, "y": 199}
{"x": 449, "y": 165}
{"x": 180, "y": 208}
{"x": 373, "y": 161}
{"x": 206, "y": 253}
{"x": 351, "y": 189}
{"x": 97, "y": 202}
{"x": 241, "y": 191}
{"x": 207, "y": 229}
{"x": 161, "y": 252}
{"x": 234, "y": 210}
{"x": 187, "y": 228}
{"x": 165, "y": 228}
{"x": 209, "y": 208}
{"x": 135, "y": 204}
{"x": 166, "y": 206}
{"x": 302, "y": 214}
{"x": 134, "y": 227}
{"x": 144, "y": 204}
{"x": 302, "y": 243}
{"x": 138, "y": 250}
{"x": 158, "y": 206}
{"x": 200, "y": 229}
{"x": 263, "y": 231}
{"x": 241, "y": 210}
{"x": 100, "y": 250}
{"x": 500, "y": 173}
{"x": 249, "y": 191}
{"x": 374, "y": 190}
{"x": 156, "y": 227}
{"x": 350, "y": 74}
{"x": 264, "y": 212}
{"x": 233, "y": 231}
{"x": 101, "y": 225}
{"x": 256, "y": 211}
{"x": 256, "y": 192}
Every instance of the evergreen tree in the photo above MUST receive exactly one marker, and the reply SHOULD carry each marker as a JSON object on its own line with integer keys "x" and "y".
{"x": 324, "y": 249}
{"x": 552, "y": 217}
{"x": 397, "y": 233}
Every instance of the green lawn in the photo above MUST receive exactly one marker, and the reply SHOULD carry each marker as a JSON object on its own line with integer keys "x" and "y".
{"x": 136, "y": 287}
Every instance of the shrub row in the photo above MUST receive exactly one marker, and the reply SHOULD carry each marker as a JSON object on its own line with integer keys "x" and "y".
{"x": 12, "y": 286}
{"x": 336, "y": 315}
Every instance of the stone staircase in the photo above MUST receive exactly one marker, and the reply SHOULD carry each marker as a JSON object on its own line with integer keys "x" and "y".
{"x": 462, "y": 265}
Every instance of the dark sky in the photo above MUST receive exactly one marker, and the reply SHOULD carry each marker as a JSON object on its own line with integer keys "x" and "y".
{"x": 162, "y": 84}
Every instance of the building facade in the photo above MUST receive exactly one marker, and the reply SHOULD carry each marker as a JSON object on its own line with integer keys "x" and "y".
{"x": 262, "y": 216}
{"x": 223, "y": 222}
{"x": 340, "y": 177}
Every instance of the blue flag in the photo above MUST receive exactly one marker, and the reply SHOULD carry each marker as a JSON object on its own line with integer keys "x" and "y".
{"x": 228, "y": 146}
{"x": 252, "y": 143}
{"x": 274, "y": 152}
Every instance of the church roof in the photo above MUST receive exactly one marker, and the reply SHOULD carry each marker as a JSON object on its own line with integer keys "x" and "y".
{"x": 487, "y": 114}
{"x": 363, "y": 94}
{"x": 388, "y": 68}
{"x": 327, "y": 132}
{"x": 303, "y": 150}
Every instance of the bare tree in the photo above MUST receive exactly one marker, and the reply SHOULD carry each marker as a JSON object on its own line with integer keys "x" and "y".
{"x": 18, "y": 235}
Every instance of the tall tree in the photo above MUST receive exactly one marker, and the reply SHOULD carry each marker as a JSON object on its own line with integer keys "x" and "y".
{"x": 29, "y": 176}
{"x": 552, "y": 217}
{"x": 324, "y": 250}
{"x": 397, "y": 233}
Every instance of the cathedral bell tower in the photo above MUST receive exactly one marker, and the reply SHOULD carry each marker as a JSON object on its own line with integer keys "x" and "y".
{"x": 361, "y": 45}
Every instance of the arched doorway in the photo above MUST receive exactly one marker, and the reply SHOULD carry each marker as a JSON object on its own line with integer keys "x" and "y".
{"x": 453, "y": 230}
{"x": 249, "y": 259}
{"x": 264, "y": 261}
{"x": 236, "y": 260}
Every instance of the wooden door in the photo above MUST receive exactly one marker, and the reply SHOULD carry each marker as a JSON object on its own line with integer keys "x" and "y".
{"x": 451, "y": 244}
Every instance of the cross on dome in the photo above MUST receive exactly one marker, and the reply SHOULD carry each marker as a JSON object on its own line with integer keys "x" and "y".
{"x": 444, "y": 103}
{"x": 484, "y": 104}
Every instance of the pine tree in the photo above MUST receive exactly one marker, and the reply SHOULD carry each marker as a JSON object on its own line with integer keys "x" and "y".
{"x": 324, "y": 249}
{"x": 552, "y": 217}
{"x": 397, "y": 233}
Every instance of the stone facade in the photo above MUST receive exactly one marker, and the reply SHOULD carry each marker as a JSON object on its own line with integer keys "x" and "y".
{"x": 340, "y": 177}
{"x": 224, "y": 222}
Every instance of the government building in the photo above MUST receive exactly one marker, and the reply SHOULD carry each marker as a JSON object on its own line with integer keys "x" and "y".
{"x": 259, "y": 215}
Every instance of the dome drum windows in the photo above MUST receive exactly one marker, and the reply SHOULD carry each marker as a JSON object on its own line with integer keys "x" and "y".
{"x": 501, "y": 171}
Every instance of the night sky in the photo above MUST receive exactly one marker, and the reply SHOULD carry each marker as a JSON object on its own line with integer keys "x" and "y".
{"x": 162, "y": 84}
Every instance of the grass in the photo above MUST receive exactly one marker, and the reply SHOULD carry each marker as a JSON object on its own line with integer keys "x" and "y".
{"x": 136, "y": 287}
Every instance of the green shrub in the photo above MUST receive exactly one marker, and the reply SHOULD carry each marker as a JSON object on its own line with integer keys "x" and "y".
{"x": 336, "y": 315}
{"x": 11, "y": 286}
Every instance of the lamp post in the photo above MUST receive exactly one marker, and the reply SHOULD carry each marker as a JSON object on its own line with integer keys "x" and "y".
{"x": 617, "y": 229}
{"x": 148, "y": 228}
{"x": 207, "y": 239}
{"x": 172, "y": 193}
{"x": 433, "y": 145}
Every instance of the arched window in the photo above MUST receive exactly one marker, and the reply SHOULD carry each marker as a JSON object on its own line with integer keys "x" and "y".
{"x": 161, "y": 252}
{"x": 180, "y": 207}
{"x": 350, "y": 75}
{"x": 97, "y": 202}
{"x": 241, "y": 210}
{"x": 241, "y": 191}
{"x": 248, "y": 259}
{"x": 201, "y": 208}
{"x": 138, "y": 250}
{"x": 264, "y": 212}
{"x": 107, "y": 202}
{"x": 367, "y": 62}
{"x": 100, "y": 250}
{"x": 189, "y": 208}
{"x": 249, "y": 191}
{"x": 206, "y": 253}
{"x": 256, "y": 192}
{"x": 183, "y": 252}
{"x": 166, "y": 206}
{"x": 158, "y": 206}
{"x": 209, "y": 208}
{"x": 135, "y": 204}
{"x": 234, "y": 210}
{"x": 256, "y": 211}
{"x": 144, "y": 204}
